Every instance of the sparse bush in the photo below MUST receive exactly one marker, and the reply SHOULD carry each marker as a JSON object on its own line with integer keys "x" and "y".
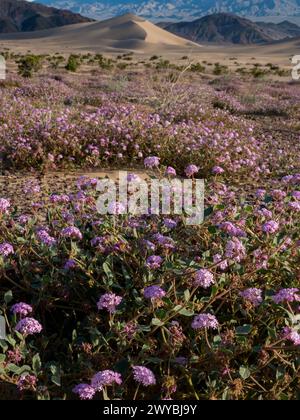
{"x": 73, "y": 63}
{"x": 197, "y": 68}
{"x": 220, "y": 69}
{"x": 29, "y": 65}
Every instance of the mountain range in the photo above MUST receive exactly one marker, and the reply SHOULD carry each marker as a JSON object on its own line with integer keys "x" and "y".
{"x": 22, "y": 16}
{"x": 178, "y": 10}
{"x": 228, "y": 28}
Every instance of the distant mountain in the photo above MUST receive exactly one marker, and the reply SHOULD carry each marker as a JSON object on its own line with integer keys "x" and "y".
{"x": 178, "y": 10}
{"x": 227, "y": 28}
{"x": 280, "y": 30}
{"x": 22, "y": 16}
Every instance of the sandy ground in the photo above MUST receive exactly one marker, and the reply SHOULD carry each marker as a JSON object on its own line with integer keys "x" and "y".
{"x": 130, "y": 33}
{"x": 12, "y": 185}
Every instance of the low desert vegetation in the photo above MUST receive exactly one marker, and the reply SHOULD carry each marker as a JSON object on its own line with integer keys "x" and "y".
{"x": 148, "y": 307}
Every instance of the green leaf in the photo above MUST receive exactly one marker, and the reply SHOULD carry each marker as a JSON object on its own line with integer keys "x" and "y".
{"x": 74, "y": 335}
{"x": 248, "y": 208}
{"x": 108, "y": 271}
{"x": 23, "y": 369}
{"x": 11, "y": 340}
{"x": 36, "y": 363}
{"x": 55, "y": 377}
{"x": 12, "y": 367}
{"x": 8, "y": 297}
{"x": 3, "y": 345}
{"x": 243, "y": 330}
{"x": 208, "y": 211}
{"x": 244, "y": 372}
{"x": 186, "y": 312}
{"x": 156, "y": 321}
{"x": 187, "y": 295}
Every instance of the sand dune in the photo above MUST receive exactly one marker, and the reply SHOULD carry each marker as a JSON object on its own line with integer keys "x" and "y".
{"x": 127, "y": 32}
{"x": 131, "y": 33}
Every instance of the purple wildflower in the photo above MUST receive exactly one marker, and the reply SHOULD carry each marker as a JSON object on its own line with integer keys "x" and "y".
{"x": 217, "y": 170}
{"x": 85, "y": 391}
{"x": 71, "y": 232}
{"x": 278, "y": 195}
{"x": 154, "y": 292}
{"x": 4, "y": 206}
{"x": 26, "y": 382}
{"x": 131, "y": 177}
{"x": 295, "y": 205}
{"x": 191, "y": 170}
{"x": 253, "y": 295}
{"x": 203, "y": 278}
{"x": 152, "y": 162}
{"x": 148, "y": 245}
{"x": 22, "y": 309}
{"x": 23, "y": 219}
{"x": 45, "y": 238}
{"x": 170, "y": 171}
{"x": 232, "y": 230}
{"x": 205, "y": 321}
{"x": 235, "y": 250}
{"x": 287, "y": 295}
{"x": 270, "y": 227}
{"x": 143, "y": 375}
{"x": 154, "y": 262}
{"x": 105, "y": 378}
{"x": 109, "y": 301}
{"x": 292, "y": 335}
{"x": 6, "y": 249}
{"x": 296, "y": 195}
{"x": 60, "y": 199}
{"x": 170, "y": 223}
{"x": 116, "y": 208}
{"x": 222, "y": 263}
{"x": 29, "y": 326}
{"x": 130, "y": 329}
{"x": 260, "y": 193}
{"x": 70, "y": 264}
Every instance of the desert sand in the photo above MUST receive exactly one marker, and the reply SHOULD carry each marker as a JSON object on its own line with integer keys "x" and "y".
{"x": 131, "y": 33}
{"x": 126, "y": 32}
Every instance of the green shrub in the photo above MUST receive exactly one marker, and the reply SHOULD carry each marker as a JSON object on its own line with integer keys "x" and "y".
{"x": 29, "y": 65}
{"x": 73, "y": 63}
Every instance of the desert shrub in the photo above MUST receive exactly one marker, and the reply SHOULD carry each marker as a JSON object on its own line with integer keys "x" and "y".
{"x": 220, "y": 69}
{"x": 258, "y": 73}
{"x": 197, "y": 68}
{"x": 122, "y": 66}
{"x": 29, "y": 65}
{"x": 105, "y": 63}
{"x": 163, "y": 64}
{"x": 73, "y": 63}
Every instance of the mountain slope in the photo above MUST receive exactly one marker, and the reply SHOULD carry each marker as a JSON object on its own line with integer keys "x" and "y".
{"x": 177, "y": 10}
{"x": 227, "y": 28}
{"x": 22, "y": 16}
